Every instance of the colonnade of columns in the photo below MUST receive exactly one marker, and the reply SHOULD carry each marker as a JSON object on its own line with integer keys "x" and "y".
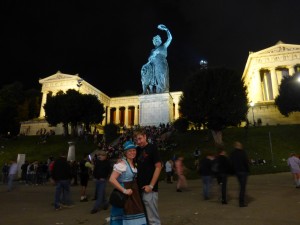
{"x": 266, "y": 85}
{"x": 123, "y": 115}
{"x": 129, "y": 115}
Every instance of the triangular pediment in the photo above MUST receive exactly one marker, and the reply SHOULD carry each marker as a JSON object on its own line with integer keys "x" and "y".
{"x": 59, "y": 76}
{"x": 280, "y": 48}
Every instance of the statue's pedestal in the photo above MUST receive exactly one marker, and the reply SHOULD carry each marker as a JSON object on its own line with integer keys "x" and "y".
{"x": 156, "y": 109}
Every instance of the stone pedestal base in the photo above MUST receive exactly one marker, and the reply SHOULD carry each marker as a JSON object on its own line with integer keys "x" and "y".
{"x": 156, "y": 109}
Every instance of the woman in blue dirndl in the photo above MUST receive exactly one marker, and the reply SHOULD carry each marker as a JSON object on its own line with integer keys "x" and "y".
{"x": 123, "y": 179}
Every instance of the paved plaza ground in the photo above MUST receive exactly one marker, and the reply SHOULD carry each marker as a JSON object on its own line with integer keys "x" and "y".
{"x": 273, "y": 200}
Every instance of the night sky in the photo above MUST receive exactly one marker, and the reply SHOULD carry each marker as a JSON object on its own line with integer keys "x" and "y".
{"x": 107, "y": 42}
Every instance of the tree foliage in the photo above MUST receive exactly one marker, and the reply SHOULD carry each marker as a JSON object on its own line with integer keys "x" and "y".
{"x": 215, "y": 98}
{"x": 111, "y": 132}
{"x": 288, "y": 100}
{"x": 17, "y": 105}
{"x": 181, "y": 124}
{"x": 73, "y": 108}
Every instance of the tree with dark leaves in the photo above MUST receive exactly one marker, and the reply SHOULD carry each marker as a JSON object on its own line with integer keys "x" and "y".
{"x": 73, "y": 108}
{"x": 288, "y": 100}
{"x": 215, "y": 98}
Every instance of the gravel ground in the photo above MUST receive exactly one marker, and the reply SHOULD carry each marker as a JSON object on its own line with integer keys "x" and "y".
{"x": 272, "y": 200}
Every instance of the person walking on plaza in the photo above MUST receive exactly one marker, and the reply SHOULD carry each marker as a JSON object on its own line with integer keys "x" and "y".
{"x": 24, "y": 172}
{"x": 294, "y": 164}
{"x": 123, "y": 178}
{"x": 101, "y": 173}
{"x": 240, "y": 165}
{"x": 169, "y": 167}
{"x": 5, "y": 170}
{"x": 85, "y": 166}
{"x": 180, "y": 170}
{"x": 224, "y": 168}
{"x": 149, "y": 167}
{"x": 61, "y": 176}
{"x": 206, "y": 173}
{"x": 12, "y": 173}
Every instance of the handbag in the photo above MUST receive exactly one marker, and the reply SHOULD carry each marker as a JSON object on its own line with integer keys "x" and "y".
{"x": 117, "y": 198}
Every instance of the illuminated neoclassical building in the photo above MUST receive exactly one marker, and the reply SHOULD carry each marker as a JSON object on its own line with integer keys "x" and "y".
{"x": 118, "y": 110}
{"x": 263, "y": 73}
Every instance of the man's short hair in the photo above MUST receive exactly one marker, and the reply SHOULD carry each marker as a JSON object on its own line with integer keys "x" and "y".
{"x": 139, "y": 131}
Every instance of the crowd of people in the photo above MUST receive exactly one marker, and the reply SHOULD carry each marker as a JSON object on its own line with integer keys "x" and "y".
{"x": 133, "y": 166}
{"x": 220, "y": 166}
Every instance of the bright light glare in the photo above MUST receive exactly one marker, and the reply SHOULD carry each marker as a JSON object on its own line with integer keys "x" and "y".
{"x": 298, "y": 79}
{"x": 251, "y": 104}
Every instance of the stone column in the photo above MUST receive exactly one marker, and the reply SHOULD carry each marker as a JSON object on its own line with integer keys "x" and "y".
{"x": 136, "y": 115}
{"x": 291, "y": 70}
{"x": 256, "y": 88}
{"x": 126, "y": 116}
{"x": 104, "y": 116}
{"x": 108, "y": 115}
{"x": 267, "y": 87}
{"x": 279, "y": 76}
{"x": 274, "y": 81}
{"x": 42, "y": 111}
{"x": 117, "y": 115}
{"x": 176, "y": 116}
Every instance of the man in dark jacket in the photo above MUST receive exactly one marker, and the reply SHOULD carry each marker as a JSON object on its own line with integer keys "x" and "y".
{"x": 61, "y": 175}
{"x": 206, "y": 173}
{"x": 101, "y": 173}
{"x": 240, "y": 165}
{"x": 224, "y": 168}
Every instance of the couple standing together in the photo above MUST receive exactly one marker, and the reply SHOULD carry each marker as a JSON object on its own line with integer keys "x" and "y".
{"x": 141, "y": 163}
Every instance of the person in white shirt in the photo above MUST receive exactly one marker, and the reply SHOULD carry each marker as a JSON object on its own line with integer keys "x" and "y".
{"x": 294, "y": 164}
{"x": 169, "y": 165}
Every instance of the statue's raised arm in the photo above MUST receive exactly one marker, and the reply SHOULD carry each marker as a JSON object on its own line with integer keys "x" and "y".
{"x": 155, "y": 73}
{"x": 168, "y": 41}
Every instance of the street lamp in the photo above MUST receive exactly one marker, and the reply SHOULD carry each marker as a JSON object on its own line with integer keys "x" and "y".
{"x": 252, "y": 105}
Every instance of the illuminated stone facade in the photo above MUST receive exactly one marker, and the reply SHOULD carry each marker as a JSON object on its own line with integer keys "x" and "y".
{"x": 263, "y": 73}
{"x": 118, "y": 110}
